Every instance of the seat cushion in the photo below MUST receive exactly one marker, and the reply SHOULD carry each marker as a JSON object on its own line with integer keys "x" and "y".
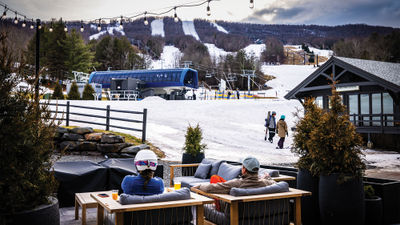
{"x": 229, "y": 172}
{"x": 188, "y": 181}
{"x": 214, "y": 165}
{"x": 272, "y": 173}
{"x": 202, "y": 171}
{"x": 181, "y": 194}
{"x": 274, "y": 188}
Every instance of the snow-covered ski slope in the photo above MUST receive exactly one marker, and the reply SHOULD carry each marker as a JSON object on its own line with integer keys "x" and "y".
{"x": 320, "y": 52}
{"x": 189, "y": 29}
{"x": 220, "y": 28}
{"x": 254, "y": 49}
{"x": 215, "y": 52}
{"x": 169, "y": 58}
{"x": 110, "y": 30}
{"x": 157, "y": 27}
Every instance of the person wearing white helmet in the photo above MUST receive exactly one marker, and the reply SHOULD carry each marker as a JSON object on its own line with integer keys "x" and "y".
{"x": 144, "y": 183}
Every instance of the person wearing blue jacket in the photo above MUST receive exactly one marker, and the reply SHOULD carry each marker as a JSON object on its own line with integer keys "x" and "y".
{"x": 144, "y": 183}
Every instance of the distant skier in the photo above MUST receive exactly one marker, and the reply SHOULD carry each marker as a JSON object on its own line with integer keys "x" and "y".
{"x": 237, "y": 93}
{"x": 271, "y": 126}
{"x": 229, "y": 94}
{"x": 282, "y": 130}
{"x": 194, "y": 96}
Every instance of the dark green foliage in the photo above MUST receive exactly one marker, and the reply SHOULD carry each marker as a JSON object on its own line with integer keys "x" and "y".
{"x": 274, "y": 52}
{"x": 369, "y": 192}
{"x": 73, "y": 93}
{"x": 26, "y": 138}
{"x": 193, "y": 144}
{"x": 88, "y": 92}
{"x": 57, "y": 93}
{"x": 305, "y": 48}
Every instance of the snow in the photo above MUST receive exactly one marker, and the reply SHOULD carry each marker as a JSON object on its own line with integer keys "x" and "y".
{"x": 254, "y": 49}
{"x": 220, "y": 28}
{"x": 157, "y": 27}
{"x": 189, "y": 29}
{"x": 320, "y": 52}
{"x": 215, "y": 52}
{"x": 287, "y": 77}
{"x": 169, "y": 58}
{"x": 110, "y": 30}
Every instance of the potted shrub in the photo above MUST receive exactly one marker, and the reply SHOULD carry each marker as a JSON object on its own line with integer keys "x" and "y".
{"x": 334, "y": 147}
{"x": 27, "y": 130}
{"x": 305, "y": 180}
{"x": 193, "y": 148}
{"x": 373, "y": 207}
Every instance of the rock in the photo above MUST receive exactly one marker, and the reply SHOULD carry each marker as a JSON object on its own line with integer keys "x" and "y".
{"x": 93, "y": 136}
{"x": 111, "y": 138}
{"x": 82, "y": 130}
{"x": 60, "y": 132}
{"x": 71, "y": 137}
{"x": 135, "y": 149}
{"x": 86, "y": 146}
{"x": 68, "y": 145}
{"x": 108, "y": 148}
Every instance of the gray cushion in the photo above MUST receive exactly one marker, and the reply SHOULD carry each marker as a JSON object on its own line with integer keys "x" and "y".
{"x": 274, "y": 188}
{"x": 202, "y": 171}
{"x": 272, "y": 173}
{"x": 188, "y": 181}
{"x": 214, "y": 165}
{"x": 181, "y": 194}
{"x": 229, "y": 172}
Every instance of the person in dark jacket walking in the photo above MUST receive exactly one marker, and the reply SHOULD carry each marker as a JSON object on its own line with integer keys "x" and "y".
{"x": 271, "y": 122}
{"x": 282, "y": 130}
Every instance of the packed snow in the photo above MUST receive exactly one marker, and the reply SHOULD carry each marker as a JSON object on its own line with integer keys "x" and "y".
{"x": 320, "y": 52}
{"x": 111, "y": 30}
{"x": 157, "y": 27}
{"x": 215, "y": 52}
{"x": 220, "y": 28}
{"x": 189, "y": 29}
{"x": 255, "y": 50}
{"x": 169, "y": 58}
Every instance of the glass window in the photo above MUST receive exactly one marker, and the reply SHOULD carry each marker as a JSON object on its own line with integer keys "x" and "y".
{"x": 376, "y": 108}
{"x": 353, "y": 108}
{"x": 388, "y": 108}
{"x": 364, "y": 103}
{"x": 319, "y": 102}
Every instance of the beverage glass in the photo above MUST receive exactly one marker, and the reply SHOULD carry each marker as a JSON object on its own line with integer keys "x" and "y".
{"x": 114, "y": 194}
{"x": 177, "y": 185}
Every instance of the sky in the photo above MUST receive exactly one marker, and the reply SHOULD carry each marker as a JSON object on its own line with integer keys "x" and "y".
{"x": 321, "y": 12}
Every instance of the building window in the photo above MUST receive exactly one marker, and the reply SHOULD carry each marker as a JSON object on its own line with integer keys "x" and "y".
{"x": 319, "y": 102}
{"x": 364, "y": 103}
{"x": 376, "y": 108}
{"x": 388, "y": 108}
{"x": 353, "y": 108}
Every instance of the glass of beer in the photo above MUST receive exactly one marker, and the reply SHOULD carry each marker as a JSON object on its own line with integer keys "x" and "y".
{"x": 114, "y": 194}
{"x": 177, "y": 185}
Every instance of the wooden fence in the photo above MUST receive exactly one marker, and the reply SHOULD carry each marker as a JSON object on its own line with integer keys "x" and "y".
{"x": 68, "y": 111}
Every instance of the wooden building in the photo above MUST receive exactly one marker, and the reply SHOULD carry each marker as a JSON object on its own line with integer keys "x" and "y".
{"x": 369, "y": 89}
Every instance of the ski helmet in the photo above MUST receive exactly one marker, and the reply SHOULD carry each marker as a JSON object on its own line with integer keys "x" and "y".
{"x": 146, "y": 159}
{"x": 273, "y": 113}
{"x": 282, "y": 117}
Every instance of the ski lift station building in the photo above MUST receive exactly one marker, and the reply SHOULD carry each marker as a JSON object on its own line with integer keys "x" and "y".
{"x": 162, "y": 82}
{"x": 369, "y": 89}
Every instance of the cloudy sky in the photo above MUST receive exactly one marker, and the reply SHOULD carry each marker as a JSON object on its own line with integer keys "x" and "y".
{"x": 321, "y": 12}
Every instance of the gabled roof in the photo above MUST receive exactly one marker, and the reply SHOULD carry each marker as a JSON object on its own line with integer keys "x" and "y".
{"x": 384, "y": 73}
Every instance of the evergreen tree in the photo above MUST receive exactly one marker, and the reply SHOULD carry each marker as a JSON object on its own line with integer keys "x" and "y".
{"x": 57, "y": 93}
{"x": 193, "y": 144}
{"x": 78, "y": 56}
{"x": 88, "y": 92}
{"x": 56, "y": 54}
{"x": 73, "y": 93}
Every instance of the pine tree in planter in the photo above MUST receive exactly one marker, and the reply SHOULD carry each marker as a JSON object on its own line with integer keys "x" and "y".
{"x": 193, "y": 149}
{"x": 334, "y": 146}
{"x": 26, "y": 138}
{"x": 73, "y": 93}
{"x": 88, "y": 92}
{"x": 57, "y": 93}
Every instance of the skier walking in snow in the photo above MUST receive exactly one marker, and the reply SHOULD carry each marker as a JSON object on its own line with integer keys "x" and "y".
{"x": 282, "y": 130}
{"x": 271, "y": 126}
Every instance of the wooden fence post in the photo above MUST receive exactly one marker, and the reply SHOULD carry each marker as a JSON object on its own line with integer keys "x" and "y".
{"x": 144, "y": 125}
{"x": 108, "y": 118}
{"x": 67, "y": 116}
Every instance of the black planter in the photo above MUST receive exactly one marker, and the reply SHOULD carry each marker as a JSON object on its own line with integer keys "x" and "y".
{"x": 188, "y": 159}
{"x": 309, "y": 204}
{"x": 373, "y": 211}
{"x": 41, "y": 215}
{"x": 341, "y": 203}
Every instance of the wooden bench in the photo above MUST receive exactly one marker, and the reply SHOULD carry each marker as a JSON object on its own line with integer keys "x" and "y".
{"x": 84, "y": 200}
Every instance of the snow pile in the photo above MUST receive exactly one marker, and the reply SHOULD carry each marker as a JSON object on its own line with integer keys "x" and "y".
{"x": 110, "y": 30}
{"x": 169, "y": 58}
{"x": 154, "y": 99}
{"x": 321, "y": 52}
{"x": 215, "y": 52}
{"x": 157, "y": 28}
{"x": 189, "y": 29}
{"x": 255, "y": 49}
{"x": 220, "y": 28}
{"x": 287, "y": 77}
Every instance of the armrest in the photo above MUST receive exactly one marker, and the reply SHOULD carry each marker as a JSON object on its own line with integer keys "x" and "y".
{"x": 210, "y": 195}
{"x": 172, "y": 166}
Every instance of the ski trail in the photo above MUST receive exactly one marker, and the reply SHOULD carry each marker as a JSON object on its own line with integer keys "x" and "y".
{"x": 157, "y": 28}
{"x": 189, "y": 29}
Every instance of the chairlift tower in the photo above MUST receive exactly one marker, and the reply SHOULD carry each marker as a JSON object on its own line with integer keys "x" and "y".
{"x": 249, "y": 74}
{"x": 187, "y": 64}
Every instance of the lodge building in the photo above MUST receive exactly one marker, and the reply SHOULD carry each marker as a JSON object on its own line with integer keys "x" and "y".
{"x": 369, "y": 89}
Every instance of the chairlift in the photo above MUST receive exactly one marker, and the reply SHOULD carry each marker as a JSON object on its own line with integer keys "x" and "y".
{"x": 232, "y": 78}
{"x": 208, "y": 75}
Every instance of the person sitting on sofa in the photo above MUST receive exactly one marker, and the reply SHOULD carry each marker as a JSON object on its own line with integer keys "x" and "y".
{"x": 249, "y": 179}
{"x": 144, "y": 183}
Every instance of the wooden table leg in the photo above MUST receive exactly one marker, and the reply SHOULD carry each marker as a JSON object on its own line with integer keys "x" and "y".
{"x": 171, "y": 177}
{"x": 119, "y": 218}
{"x": 297, "y": 216}
{"x": 100, "y": 214}
{"x": 83, "y": 214}
{"x": 76, "y": 209}
{"x": 234, "y": 213}
{"x": 200, "y": 214}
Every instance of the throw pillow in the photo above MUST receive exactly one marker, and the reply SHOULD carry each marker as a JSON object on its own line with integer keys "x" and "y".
{"x": 202, "y": 171}
{"x": 229, "y": 172}
{"x": 181, "y": 194}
